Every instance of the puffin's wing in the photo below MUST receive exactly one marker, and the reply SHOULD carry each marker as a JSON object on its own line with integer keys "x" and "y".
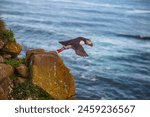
{"x": 65, "y": 43}
{"x": 80, "y": 51}
{"x": 70, "y": 42}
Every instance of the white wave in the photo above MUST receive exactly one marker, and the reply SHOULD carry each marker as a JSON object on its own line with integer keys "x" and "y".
{"x": 84, "y": 3}
{"x": 139, "y": 11}
{"x": 93, "y": 79}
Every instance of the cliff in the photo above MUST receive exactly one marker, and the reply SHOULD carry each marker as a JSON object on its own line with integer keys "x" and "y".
{"x": 40, "y": 75}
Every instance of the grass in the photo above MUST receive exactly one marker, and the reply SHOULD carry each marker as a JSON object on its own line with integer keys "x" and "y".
{"x": 2, "y": 24}
{"x": 15, "y": 62}
{"x": 8, "y": 35}
{"x": 27, "y": 90}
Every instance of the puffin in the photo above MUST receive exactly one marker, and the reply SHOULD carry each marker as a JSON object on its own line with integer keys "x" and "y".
{"x": 76, "y": 44}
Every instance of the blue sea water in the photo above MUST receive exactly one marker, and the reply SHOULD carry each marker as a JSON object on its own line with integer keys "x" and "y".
{"x": 118, "y": 66}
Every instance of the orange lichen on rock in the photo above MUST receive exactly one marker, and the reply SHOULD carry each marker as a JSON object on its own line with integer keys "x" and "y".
{"x": 13, "y": 47}
{"x": 34, "y": 51}
{"x": 49, "y": 72}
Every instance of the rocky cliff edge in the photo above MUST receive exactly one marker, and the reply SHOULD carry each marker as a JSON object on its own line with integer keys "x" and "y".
{"x": 40, "y": 75}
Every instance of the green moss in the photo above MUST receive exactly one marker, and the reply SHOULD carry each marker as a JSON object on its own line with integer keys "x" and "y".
{"x": 8, "y": 35}
{"x": 28, "y": 90}
{"x": 15, "y": 62}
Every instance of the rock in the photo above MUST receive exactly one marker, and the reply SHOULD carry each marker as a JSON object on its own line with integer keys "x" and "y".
{"x": 2, "y": 94}
{"x": 13, "y": 48}
{"x": 34, "y": 51}
{"x": 4, "y": 89}
{"x": 1, "y": 59}
{"x": 20, "y": 80}
{"x": 49, "y": 72}
{"x": 5, "y": 71}
{"x": 1, "y": 44}
{"x": 23, "y": 70}
{"x": 6, "y": 56}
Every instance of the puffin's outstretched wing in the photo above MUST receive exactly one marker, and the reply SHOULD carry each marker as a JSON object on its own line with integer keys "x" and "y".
{"x": 68, "y": 42}
{"x": 80, "y": 51}
{"x": 71, "y": 41}
{"x": 64, "y": 42}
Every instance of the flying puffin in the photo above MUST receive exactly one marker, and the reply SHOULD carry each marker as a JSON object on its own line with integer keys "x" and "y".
{"x": 76, "y": 44}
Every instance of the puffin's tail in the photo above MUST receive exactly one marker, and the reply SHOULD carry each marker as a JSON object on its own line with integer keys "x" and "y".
{"x": 60, "y": 50}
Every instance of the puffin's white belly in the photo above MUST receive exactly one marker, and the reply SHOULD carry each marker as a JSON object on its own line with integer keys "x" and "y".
{"x": 68, "y": 47}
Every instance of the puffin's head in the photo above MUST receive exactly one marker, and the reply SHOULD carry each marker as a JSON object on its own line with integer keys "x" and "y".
{"x": 89, "y": 42}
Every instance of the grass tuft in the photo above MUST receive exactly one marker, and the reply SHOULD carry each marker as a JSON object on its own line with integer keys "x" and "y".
{"x": 2, "y": 25}
{"x": 8, "y": 35}
{"x": 15, "y": 62}
{"x": 30, "y": 91}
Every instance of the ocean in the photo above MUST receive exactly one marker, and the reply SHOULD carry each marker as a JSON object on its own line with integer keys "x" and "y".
{"x": 118, "y": 66}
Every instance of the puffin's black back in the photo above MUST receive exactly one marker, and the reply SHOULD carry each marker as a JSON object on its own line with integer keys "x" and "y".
{"x": 75, "y": 41}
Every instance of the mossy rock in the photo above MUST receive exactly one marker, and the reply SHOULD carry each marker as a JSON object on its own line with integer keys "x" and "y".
{"x": 15, "y": 62}
{"x": 49, "y": 72}
{"x": 28, "y": 91}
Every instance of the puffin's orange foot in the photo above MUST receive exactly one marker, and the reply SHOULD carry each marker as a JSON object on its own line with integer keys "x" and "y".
{"x": 59, "y": 50}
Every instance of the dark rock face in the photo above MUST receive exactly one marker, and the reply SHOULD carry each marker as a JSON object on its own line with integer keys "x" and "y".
{"x": 49, "y": 72}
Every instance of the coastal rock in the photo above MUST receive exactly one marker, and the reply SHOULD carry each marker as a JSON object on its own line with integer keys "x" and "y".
{"x": 6, "y": 56}
{"x": 13, "y": 47}
{"x": 23, "y": 70}
{"x": 5, "y": 71}
{"x": 1, "y": 44}
{"x": 34, "y": 51}
{"x": 4, "y": 89}
{"x": 2, "y": 94}
{"x": 1, "y": 59}
{"x": 49, "y": 72}
{"x": 20, "y": 80}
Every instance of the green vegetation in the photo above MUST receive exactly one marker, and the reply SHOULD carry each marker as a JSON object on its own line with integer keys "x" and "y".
{"x": 15, "y": 62}
{"x": 7, "y": 34}
{"x": 27, "y": 90}
{"x": 13, "y": 78}
{"x": 2, "y": 24}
